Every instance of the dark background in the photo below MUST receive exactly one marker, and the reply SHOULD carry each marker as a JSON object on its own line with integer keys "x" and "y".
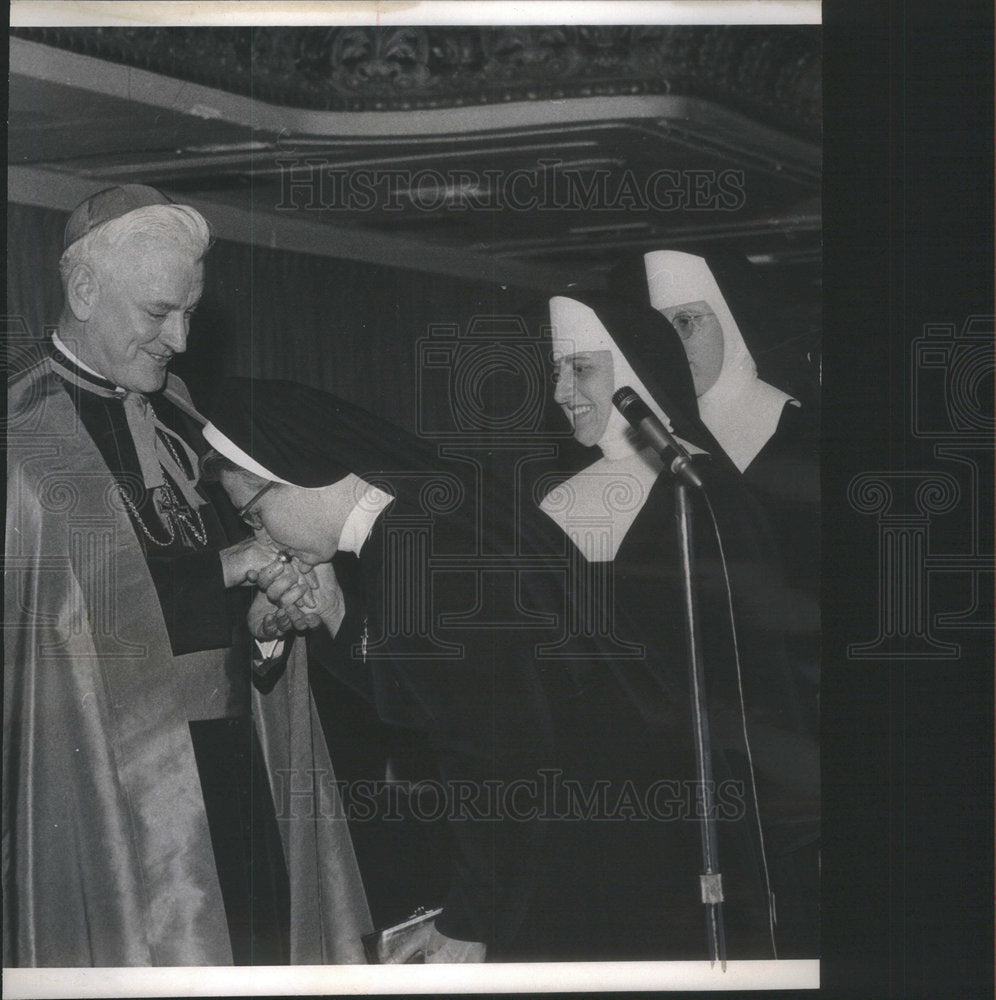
{"x": 907, "y": 744}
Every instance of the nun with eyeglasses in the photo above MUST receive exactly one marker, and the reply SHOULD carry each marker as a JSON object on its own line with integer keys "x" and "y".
{"x": 752, "y": 419}
{"x": 618, "y": 513}
{"x": 424, "y": 630}
{"x": 770, "y": 435}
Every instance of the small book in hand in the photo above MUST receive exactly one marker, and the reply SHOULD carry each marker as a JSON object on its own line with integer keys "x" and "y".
{"x": 387, "y": 945}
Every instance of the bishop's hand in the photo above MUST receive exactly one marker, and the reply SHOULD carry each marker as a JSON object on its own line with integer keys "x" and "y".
{"x": 242, "y": 562}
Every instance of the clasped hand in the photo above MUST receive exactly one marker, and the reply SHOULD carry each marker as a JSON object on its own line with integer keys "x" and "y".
{"x": 293, "y": 595}
{"x": 285, "y": 600}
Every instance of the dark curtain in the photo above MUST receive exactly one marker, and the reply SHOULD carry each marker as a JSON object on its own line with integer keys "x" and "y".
{"x": 346, "y": 327}
{"x": 34, "y": 295}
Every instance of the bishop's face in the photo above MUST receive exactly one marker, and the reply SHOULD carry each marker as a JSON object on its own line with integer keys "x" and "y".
{"x": 138, "y": 317}
{"x": 583, "y": 387}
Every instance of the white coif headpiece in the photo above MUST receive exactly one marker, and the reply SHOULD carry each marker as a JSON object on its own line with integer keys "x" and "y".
{"x": 224, "y": 445}
{"x": 577, "y": 329}
{"x": 740, "y": 410}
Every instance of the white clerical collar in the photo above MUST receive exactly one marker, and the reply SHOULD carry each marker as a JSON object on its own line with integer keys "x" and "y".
{"x": 361, "y": 519}
{"x": 60, "y": 345}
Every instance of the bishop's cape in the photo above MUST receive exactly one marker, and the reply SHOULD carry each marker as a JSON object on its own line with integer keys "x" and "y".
{"x": 107, "y": 857}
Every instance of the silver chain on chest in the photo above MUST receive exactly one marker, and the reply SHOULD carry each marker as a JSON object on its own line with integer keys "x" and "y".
{"x": 173, "y": 509}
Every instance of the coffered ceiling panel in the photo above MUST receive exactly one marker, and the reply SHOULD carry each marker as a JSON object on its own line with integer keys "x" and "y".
{"x": 554, "y": 150}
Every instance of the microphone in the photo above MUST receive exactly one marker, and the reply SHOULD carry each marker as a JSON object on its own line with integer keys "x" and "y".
{"x": 640, "y": 416}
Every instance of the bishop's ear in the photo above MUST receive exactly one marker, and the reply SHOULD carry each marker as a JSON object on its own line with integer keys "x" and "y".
{"x": 82, "y": 290}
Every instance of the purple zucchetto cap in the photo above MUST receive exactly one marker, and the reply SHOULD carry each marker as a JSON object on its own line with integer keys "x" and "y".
{"x": 111, "y": 203}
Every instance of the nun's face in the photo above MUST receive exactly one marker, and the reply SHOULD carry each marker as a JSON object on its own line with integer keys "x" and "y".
{"x": 583, "y": 386}
{"x": 702, "y": 337}
{"x": 297, "y": 520}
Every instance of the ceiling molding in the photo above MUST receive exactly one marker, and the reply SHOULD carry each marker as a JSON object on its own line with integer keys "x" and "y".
{"x": 770, "y": 72}
{"x": 63, "y": 192}
{"x": 34, "y": 61}
{"x": 513, "y": 193}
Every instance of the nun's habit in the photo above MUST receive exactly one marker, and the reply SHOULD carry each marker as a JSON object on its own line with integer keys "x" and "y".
{"x": 742, "y": 411}
{"x": 619, "y": 512}
{"x": 408, "y": 641}
{"x": 772, "y": 438}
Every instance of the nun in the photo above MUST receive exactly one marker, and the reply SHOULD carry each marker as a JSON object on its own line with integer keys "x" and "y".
{"x": 340, "y": 491}
{"x": 771, "y": 437}
{"x": 618, "y": 512}
{"x": 753, "y": 421}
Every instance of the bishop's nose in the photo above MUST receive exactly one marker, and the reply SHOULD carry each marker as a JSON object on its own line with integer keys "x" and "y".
{"x": 175, "y": 331}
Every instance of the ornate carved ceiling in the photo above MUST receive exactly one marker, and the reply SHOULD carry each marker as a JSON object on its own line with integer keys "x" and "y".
{"x": 522, "y": 155}
{"x": 772, "y": 73}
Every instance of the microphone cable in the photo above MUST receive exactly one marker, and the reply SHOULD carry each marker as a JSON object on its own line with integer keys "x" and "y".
{"x": 743, "y": 717}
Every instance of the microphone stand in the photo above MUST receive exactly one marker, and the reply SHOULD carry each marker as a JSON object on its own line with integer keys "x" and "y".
{"x": 686, "y": 478}
{"x": 711, "y": 880}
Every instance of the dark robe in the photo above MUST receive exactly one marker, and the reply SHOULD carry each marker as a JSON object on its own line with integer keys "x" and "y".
{"x": 627, "y": 887}
{"x": 629, "y": 725}
{"x": 115, "y": 809}
{"x": 785, "y": 478}
{"x": 437, "y": 644}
